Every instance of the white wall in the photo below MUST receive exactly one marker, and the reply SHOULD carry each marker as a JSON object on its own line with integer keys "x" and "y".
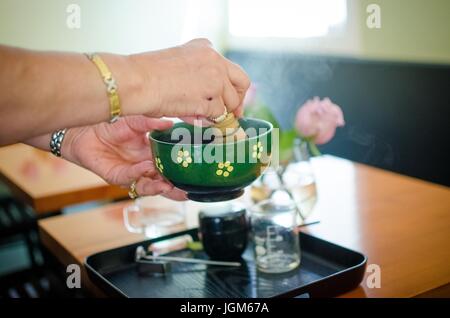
{"x": 120, "y": 26}
{"x": 414, "y": 30}
{"x": 411, "y": 30}
{"x": 342, "y": 39}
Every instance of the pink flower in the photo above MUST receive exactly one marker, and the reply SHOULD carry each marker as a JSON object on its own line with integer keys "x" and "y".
{"x": 318, "y": 119}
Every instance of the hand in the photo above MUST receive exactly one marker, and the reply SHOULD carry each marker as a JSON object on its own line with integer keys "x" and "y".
{"x": 190, "y": 81}
{"x": 120, "y": 154}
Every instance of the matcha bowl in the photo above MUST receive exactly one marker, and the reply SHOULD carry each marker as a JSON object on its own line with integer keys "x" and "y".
{"x": 210, "y": 172}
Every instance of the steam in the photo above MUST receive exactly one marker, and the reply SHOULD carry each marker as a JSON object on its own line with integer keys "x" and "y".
{"x": 284, "y": 82}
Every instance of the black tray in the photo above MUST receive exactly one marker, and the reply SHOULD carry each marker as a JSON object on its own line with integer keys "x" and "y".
{"x": 326, "y": 270}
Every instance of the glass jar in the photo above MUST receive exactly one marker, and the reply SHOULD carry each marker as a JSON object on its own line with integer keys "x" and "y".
{"x": 275, "y": 236}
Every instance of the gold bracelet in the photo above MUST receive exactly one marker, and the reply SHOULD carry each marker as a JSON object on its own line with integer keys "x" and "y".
{"x": 111, "y": 86}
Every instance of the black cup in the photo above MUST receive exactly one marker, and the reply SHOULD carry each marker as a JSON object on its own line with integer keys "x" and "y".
{"x": 224, "y": 235}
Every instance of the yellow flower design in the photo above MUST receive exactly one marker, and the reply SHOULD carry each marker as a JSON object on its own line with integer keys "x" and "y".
{"x": 159, "y": 164}
{"x": 184, "y": 158}
{"x": 224, "y": 169}
{"x": 257, "y": 150}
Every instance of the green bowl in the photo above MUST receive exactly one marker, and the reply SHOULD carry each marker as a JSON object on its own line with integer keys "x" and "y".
{"x": 207, "y": 171}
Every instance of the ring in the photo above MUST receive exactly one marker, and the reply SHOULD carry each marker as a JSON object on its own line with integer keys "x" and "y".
{"x": 132, "y": 193}
{"x": 220, "y": 118}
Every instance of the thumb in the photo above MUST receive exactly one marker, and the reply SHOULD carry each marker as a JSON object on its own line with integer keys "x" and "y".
{"x": 197, "y": 121}
{"x": 143, "y": 123}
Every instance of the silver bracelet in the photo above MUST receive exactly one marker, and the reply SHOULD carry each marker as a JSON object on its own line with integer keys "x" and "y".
{"x": 56, "y": 141}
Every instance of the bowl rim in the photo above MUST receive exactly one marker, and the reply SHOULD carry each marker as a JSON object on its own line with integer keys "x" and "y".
{"x": 150, "y": 137}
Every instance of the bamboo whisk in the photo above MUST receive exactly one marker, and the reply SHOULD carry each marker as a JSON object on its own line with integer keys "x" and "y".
{"x": 228, "y": 130}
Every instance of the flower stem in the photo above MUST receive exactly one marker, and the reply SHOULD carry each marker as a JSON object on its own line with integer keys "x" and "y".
{"x": 313, "y": 148}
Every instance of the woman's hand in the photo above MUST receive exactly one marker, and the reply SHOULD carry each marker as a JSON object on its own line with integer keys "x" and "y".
{"x": 189, "y": 81}
{"x": 120, "y": 154}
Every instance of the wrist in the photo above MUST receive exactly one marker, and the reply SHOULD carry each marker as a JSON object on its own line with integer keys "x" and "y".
{"x": 130, "y": 83}
{"x": 145, "y": 68}
{"x": 68, "y": 146}
{"x": 56, "y": 141}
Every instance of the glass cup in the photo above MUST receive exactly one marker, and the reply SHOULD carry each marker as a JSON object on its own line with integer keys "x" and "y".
{"x": 275, "y": 236}
{"x": 154, "y": 216}
{"x": 299, "y": 179}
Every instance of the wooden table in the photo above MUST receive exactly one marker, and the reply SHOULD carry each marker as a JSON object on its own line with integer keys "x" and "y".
{"x": 402, "y": 224}
{"x": 48, "y": 183}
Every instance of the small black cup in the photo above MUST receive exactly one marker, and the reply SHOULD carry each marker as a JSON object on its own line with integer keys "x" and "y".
{"x": 224, "y": 234}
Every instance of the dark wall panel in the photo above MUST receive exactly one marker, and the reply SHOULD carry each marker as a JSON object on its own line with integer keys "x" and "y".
{"x": 397, "y": 114}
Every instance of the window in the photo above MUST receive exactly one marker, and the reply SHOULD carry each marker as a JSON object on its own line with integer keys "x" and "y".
{"x": 285, "y": 18}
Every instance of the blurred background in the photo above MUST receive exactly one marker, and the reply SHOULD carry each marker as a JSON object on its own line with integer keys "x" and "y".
{"x": 391, "y": 79}
{"x": 411, "y": 30}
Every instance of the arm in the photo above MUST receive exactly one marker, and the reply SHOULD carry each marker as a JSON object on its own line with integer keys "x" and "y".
{"x": 44, "y": 91}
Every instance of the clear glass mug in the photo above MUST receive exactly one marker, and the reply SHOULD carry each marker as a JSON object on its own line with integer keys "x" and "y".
{"x": 154, "y": 216}
{"x": 299, "y": 179}
{"x": 275, "y": 236}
